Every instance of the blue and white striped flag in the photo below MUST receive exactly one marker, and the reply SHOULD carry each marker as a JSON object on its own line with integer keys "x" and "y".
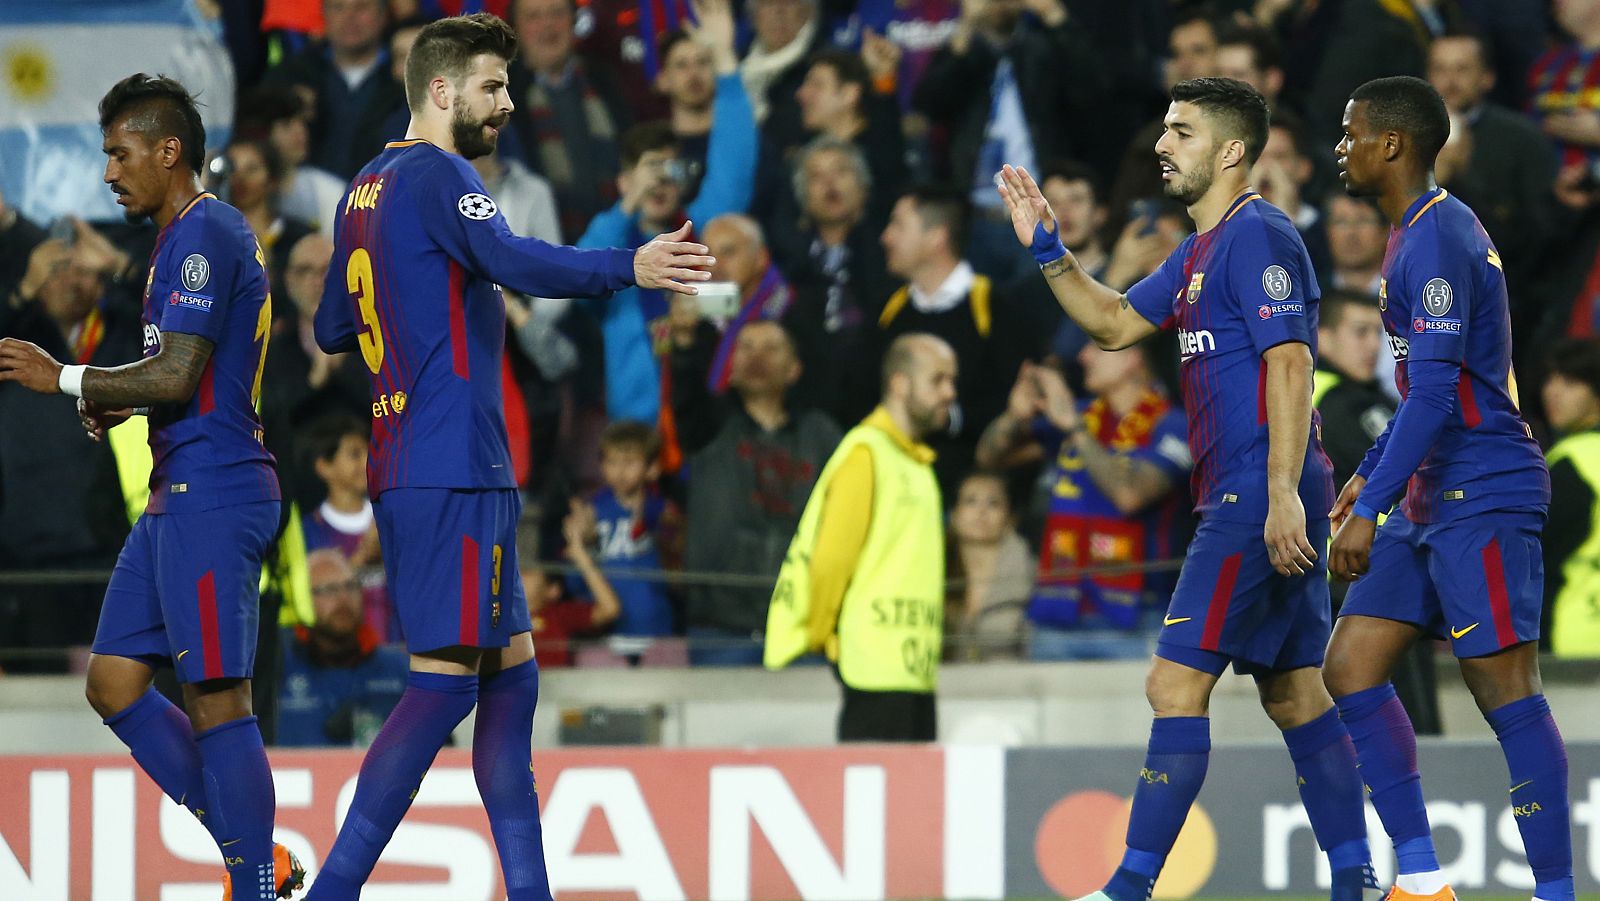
{"x": 58, "y": 58}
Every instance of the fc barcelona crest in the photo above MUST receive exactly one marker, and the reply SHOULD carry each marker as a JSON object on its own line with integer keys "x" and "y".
{"x": 1383, "y": 295}
{"x": 1195, "y": 284}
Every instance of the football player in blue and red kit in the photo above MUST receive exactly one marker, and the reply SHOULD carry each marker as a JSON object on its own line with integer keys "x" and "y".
{"x": 1460, "y": 555}
{"x": 421, "y": 250}
{"x": 1253, "y": 591}
{"x": 184, "y": 590}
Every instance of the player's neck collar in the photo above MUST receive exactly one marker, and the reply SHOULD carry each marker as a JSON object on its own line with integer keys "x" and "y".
{"x": 1423, "y": 204}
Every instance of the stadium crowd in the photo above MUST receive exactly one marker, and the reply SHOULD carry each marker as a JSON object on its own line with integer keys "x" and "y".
{"x": 838, "y": 159}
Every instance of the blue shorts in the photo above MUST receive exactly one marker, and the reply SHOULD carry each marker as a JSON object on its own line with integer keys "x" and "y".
{"x": 186, "y": 590}
{"x": 451, "y": 560}
{"x": 1232, "y": 606}
{"x": 1477, "y": 581}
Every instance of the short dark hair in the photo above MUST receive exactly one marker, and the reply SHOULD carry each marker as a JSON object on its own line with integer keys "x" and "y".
{"x": 1478, "y": 38}
{"x": 158, "y": 107}
{"x": 1295, "y": 127}
{"x": 1338, "y": 302}
{"x": 1073, "y": 170}
{"x": 321, "y": 441}
{"x": 266, "y": 106}
{"x": 630, "y": 434}
{"x": 1264, "y": 49}
{"x": 270, "y": 157}
{"x": 1238, "y": 107}
{"x": 642, "y": 138}
{"x": 847, "y": 67}
{"x": 1577, "y": 359}
{"x": 447, "y": 47}
{"x": 1410, "y": 106}
{"x": 669, "y": 42}
{"x": 944, "y": 205}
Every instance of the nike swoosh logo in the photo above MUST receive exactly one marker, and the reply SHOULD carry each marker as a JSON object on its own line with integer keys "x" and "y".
{"x": 1521, "y": 785}
{"x": 1169, "y": 621}
{"x": 234, "y": 842}
{"x": 1457, "y": 633}
{"x": 181, "y": 653}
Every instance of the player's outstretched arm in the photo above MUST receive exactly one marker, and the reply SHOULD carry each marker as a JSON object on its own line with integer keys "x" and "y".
{"x": 1288, "y": 390}
{"x": 169, "y": 377}
{"x": 1104, "y": 314}
{"x": 669, "y": 262}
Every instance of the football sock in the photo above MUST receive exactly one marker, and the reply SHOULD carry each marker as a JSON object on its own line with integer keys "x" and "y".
{"x": 1174, "y": 769}
{"x": 1386, "y": 747}
{"x": 1330, "y": 788}
{"x": 162, "y": 742}
{"x": 431, "y": 708}
{"x": 243, "y": 803}
{"x": 502, "y": 742}
{"x": 1538, "y": 762}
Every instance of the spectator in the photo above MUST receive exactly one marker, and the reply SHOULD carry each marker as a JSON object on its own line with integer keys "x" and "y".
{"x": 527, "y": 199}
{"x": 1572, "y": 531}
{"x": 838, "y": 99}
{"x": 1561, "y": 97}
{"x": 632, "y": 527}
{"x": 946, "y": 298}
{"x": 787, "y": 36}
{"x": 863, "y": 580}
{"x": 753, "y": 461}
{"x": 301, "y": 383}
{"x": 832, "y": 255}
{"x": 651, "y": 185}
{"x": 1495, "y": 161}
{"x": 990, "y": 572}
{"x": 280, "y": 116}
{"x": 1009, "y": 88}
{"x": 348, "y": 79}
{"x": 1282, "y": 174}
{"x": 1250, "y": 53}
{"x": 735, "y": 240}
{"x": 557, "y": 619}
{"x": 337, "y": 449}
{"x": 568, "y": 113}
{"x": 1117, "y": 498}
{"x": 402, "y": 37}
{"x": 1357, "y": 238}
{"x": 340, "y": 680}
{"x": 1074, "y": 192}
{"x": 1354, "y": 409}
{"x": 700, "y": 78}
{"x": 1346, "y": 45}
{"x": 18, "y": 238}
{"x": 255, "y": 177}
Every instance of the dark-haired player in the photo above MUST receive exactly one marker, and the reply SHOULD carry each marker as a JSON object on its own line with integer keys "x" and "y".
{"x": 420, "y": 251}
{"x": 1460, "y": 554}
{"x": 184, "y": 589}
{"x": 1243, "y": 297}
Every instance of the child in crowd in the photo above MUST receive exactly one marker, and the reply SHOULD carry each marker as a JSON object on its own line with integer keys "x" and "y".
{"x": 558, "y": 620}
{"x": 337, "y": 447}
{"x": 991, "y": 572}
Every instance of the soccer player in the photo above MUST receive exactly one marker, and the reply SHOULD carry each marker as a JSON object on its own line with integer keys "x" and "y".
{"x": 184, "y": 590}
{"x": 420, "y": 251}
{"x": 1252, "y": 591}
{"x": 1461, "y": 552}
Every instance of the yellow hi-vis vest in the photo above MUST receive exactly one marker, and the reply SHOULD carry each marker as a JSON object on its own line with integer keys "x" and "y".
{"x": 1323, "y": 381}
{"x": 130, "y": 446}
{"x": 1575, "y": 622}
{"x": 891, "y": 622}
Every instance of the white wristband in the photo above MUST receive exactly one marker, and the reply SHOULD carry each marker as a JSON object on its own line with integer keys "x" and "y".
{"x": 71, "y": 381}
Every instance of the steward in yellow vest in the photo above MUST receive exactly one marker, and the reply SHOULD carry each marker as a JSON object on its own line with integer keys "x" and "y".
{"x": 1572, "y": 544}
{"x": 863, "y": 580}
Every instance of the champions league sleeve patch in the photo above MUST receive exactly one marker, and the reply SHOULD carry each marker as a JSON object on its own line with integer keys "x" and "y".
{"x": 1275, "y": 281}
{"x": 477, "y": 206}
{"x": 196, "y": 271}
{"x": 1436, "y": 297}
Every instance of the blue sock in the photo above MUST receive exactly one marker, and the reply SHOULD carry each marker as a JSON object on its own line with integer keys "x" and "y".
{"x": 431, "y": 708}
{"x": 1386, "y": 747}
{"x": 243, "y": 805}
{"x": 1174, "y": 769}
{"x": 1538, "y": 762}
{"x": 162, "y": 742}
{"x": 502, "y": 743}
{"x": 1330, "y": 788}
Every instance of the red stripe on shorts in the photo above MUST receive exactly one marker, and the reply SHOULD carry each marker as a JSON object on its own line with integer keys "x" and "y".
{"x": 469, "y": 591}
{"x": 1217, "y": 613}
{"x": 1494, "y": 572}
{"x": 210, "y": 640}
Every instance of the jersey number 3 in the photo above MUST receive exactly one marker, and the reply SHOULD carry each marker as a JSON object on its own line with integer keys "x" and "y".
{"x": 358, "y": 281}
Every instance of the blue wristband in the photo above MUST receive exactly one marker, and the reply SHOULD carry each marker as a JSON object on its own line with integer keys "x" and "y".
{"x": 1364, "y": 511}
{"x": 1047, "y": 247}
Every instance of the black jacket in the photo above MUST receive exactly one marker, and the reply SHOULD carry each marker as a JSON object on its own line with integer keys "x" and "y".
{"x": 1354, "y": 414}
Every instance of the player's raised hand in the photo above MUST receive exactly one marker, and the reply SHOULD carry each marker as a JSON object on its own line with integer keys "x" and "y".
{"x": 1025, "y": 203}
{"x": 1351, "y": 553}
{"x": 29, "y": 366}
{"x": 1288, "y": 549}
{"x": 668, "y": 261}
{"x": 1346, "y": 501}
{"x": 97, "y": 419}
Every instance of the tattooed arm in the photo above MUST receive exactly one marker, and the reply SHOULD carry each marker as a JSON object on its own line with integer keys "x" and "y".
{"x": 169, "y": 377}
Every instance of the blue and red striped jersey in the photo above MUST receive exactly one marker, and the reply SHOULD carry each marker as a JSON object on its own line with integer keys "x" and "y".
{"x": 420, "y": 251}
{"x": 1444, "y": 299}
{"x": 1566, "y": 78}
{"x": 1235, "y": 291}
{"x": 208, "y": 278}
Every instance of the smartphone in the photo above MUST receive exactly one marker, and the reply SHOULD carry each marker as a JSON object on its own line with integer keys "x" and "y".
{"x": 1147, "y": 211}
{"x": 719, "y": 301}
